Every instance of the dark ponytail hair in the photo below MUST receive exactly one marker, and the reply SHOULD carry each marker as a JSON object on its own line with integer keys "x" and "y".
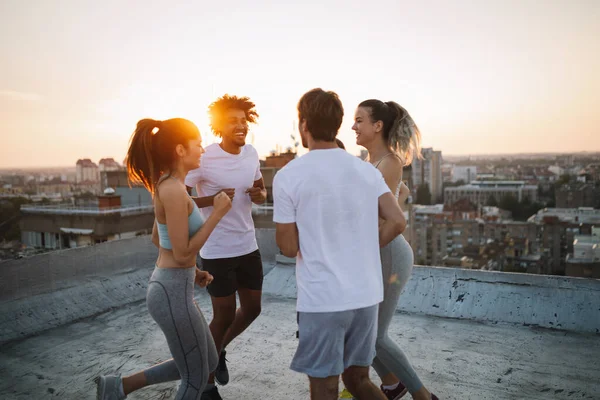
{"x": 152, "y": 148}
{"x": 400, "y": 132}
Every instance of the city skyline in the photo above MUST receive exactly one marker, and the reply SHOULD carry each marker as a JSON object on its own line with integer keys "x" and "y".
{"x": 447, "y": 159}
{"x": 501, "y": 77}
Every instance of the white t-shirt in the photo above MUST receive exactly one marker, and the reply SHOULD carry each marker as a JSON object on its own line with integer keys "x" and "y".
{"x": 333, "y": 197}
{"x": 234, "y": 235}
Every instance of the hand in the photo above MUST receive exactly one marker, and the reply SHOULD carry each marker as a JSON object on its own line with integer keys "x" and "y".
{"x": 228, "y": 192}
{"x": 257, "y": 194}
{"x": 203, "y": 278}
{"x": 221, "y": 203}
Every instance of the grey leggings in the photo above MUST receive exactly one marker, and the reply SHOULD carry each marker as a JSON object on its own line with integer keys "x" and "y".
{"x": 397, "y": 263}
{"x": 170, "y": 300}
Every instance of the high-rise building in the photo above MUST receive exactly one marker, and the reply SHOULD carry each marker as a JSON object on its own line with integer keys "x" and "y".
{"x": 108, "y": 164}
{"x": 87, "y": 171}
{"x": 428, "y": 170}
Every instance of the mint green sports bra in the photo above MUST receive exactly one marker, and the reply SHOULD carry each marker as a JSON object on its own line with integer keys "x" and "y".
{"x": 195, "y": 222}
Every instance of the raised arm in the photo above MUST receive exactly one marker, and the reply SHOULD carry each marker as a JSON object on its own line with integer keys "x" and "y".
{"x": 194, "y": 178}
{"x": 175, "y": 202}
{"x": 202, "y": 202}
{"x": 258, "y": 192}
{"x": 207, "y": 201}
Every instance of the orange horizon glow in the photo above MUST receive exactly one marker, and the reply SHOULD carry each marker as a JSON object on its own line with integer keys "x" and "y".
{"x": 503, "y": 77}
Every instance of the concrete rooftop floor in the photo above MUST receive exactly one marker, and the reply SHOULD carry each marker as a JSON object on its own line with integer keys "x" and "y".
{"x": 456, "y": 359}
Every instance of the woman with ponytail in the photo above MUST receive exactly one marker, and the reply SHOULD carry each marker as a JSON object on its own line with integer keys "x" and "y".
{"x": 160, "y": 155}
{"x": 392, "y": 139}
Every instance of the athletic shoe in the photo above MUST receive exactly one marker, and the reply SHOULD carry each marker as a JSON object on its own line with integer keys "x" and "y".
{"x": 345, "y": 394}
{"x": 212, "y": 394}
{"x": 108, "y": 388}
{"x": 221, "y": 373}
{"x": 395, "y": 394}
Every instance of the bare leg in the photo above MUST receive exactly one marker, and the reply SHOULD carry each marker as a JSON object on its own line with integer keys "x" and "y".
{"x": 134, "y": 382}
{"x": 358, "y": 383}
{"x": 324, "y": 388}
{"x": 250, "y": 308}
{"x": 223, "y": 317}
{"x": 168, "y": 373}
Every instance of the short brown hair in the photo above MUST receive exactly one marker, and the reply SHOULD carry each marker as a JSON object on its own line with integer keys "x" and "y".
{"x": 323, "y": 113}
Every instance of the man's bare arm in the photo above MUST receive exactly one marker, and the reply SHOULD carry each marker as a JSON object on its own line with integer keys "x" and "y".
{"x": 394, "y": 222}
{"x": 207, "y": 201}
{"x": 286, "y": 236}
{"x": 258, "y": 192}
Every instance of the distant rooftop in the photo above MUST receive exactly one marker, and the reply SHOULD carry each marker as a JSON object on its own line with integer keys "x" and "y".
{"x": 86, "y": 162}
{"x": 587, "y": 239}
{"x": 81, "y": 210}
{"x": 507, "y": 222}
{"x": 498, "y": 183}
{"x": 574, "y": 215}
{"x": 108, "y": 161}
{"x": 492, "y": 185}
{"x": 428, "y": 209}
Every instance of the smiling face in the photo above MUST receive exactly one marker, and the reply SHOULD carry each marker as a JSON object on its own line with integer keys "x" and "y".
{"x": 366, "y": 130}
{"x": 193, "y": 154}
{"x": 189, "y": 155}
{"x": 234, "y": 127}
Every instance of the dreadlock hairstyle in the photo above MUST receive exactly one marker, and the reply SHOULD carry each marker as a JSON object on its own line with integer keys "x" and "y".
{"x": 217, "y": 110}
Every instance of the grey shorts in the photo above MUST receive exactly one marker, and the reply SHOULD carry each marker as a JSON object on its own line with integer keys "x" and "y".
{"x": 330, "y": 342}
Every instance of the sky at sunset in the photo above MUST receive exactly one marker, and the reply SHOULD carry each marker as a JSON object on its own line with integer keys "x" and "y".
{"x": 498, "y": 76}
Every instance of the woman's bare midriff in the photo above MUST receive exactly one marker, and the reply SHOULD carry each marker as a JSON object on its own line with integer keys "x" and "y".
{"x": 166, "y": 260}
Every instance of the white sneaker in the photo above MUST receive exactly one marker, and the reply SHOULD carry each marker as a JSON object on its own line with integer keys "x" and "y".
{"x": 109, "y": 388}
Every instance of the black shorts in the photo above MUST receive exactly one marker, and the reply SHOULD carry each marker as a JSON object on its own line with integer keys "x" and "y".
{"x": 231, "y": 274}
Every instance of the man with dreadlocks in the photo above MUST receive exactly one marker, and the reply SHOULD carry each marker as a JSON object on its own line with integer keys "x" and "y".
{"x": 231, "y": 252}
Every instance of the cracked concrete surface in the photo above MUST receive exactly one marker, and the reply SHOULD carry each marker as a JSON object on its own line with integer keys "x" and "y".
{"x": 457, "y": 359}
